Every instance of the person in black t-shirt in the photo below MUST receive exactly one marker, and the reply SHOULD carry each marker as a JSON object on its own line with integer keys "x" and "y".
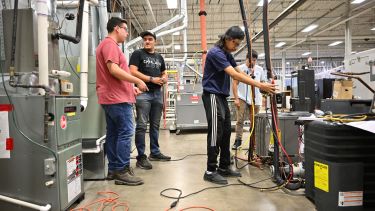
{"x": 149, "y": 66}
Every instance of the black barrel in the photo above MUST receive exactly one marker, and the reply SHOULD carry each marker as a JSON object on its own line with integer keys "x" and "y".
{"x": 339, "y": 147}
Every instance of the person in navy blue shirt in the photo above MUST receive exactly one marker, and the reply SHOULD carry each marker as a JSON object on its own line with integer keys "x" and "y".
{"x": 220, "y": 66}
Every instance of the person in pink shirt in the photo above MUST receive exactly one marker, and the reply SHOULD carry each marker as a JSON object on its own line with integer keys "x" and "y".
{"x": 116, "y": 94}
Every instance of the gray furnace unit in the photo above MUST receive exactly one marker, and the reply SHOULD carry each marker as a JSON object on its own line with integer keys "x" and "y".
{"x": 46, "y": 177}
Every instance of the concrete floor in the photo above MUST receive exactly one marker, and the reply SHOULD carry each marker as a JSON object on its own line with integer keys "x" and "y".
{"x": 187, "y": 175}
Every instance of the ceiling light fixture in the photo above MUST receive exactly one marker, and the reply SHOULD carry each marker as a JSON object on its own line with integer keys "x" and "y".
{"x": 310, "y": 28}
{"x": 172, "y": 4}
{"x": 335, "y": 43}
{"x": 280, "y": 44}
{"x": 260, "y": 3}
{"x": 357, "y": 1}
{"x": 306, "y": 53}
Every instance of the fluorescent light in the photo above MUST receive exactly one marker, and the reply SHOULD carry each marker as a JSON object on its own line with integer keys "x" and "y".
{"x": 261, "y": 55}
{"x": 176, "y": 33}
{"x": 177, "y": 47}
{"x": 280, "y": 44}
{"x": 357, "y": 1}
{"x": 306, "y": 53}
{"x": 260, "y": 3}
{"x": 310, "y": 28}
{"x": 172, "y": 4}
{"x": 335, "y": 43}
{"x": 373, "y": 29}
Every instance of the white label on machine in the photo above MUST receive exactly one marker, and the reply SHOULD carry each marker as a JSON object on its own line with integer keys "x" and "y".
{"x": 4, "y": 134}
{"x": 350, "y": 198}
{"x": 71, "y": 166}
{"x": 74, "y": 188}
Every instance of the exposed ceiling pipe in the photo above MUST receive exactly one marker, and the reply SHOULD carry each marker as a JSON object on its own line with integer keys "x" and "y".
{"x": 134, "y": 17}
{"x": 279, "y": 18}
{"x": 103, "y": 18}
{"x": 153, "y": 16}
{"x": 72, "y": 4}
{"x": 156, "y": 29}
{"x": 183, "y": 27}
{"x": 202, "y": 17}
{"x": 343, "y": 20}
{"x": 164, "y": 46}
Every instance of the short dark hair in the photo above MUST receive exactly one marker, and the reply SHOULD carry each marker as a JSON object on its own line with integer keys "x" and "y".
{"x": 254, "y": 54}
{"x": 113, "y": 22}
{"x": 234, "y": 32}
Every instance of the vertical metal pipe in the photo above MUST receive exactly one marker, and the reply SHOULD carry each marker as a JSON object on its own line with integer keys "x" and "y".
{"x": 202, "y": 16}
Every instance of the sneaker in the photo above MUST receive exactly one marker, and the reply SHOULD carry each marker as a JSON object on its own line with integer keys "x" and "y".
{"x": 215, "y": 177}
{"x": 110, "y": 175}
{"x": 142, "y": 162}
{"x": 237, "y": 143}
{"x": 127, "y": 177}
{"x": 228, "y": 172}
{"x": 159, "y": 157}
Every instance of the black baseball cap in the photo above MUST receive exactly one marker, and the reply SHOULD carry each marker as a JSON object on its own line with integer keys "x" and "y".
{"x": 145, "y": 33}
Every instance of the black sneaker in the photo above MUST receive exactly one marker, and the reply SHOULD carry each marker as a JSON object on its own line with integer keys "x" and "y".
{"x": 110, "y": 175}
{"x": 237, "y": 143}
{"x": 142, "y": 162}
{"x": 127, "y": 177}
{"x": 215, "y": 177}
{"x": 159, "y": 157}
{"x": 228, "y": 172}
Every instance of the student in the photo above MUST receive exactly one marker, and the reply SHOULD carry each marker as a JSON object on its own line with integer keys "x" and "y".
{"x": 149, "y": 66}
{"x": 220, "y": 66}
{"x": 116, "y": 94}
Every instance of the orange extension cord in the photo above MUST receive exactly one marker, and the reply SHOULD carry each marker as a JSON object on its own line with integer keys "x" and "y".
{"x": 105, "y": 202}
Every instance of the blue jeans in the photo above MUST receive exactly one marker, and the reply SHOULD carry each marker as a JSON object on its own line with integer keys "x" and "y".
{"x": 149, "y": 106}
{"x": 120, "y": 129}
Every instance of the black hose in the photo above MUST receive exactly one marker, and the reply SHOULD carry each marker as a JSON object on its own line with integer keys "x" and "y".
{"x": 77, "y": 38}
{"x": 14, "y": 40}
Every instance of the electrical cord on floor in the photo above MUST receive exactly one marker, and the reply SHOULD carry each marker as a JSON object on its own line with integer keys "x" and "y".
{"x": 104, "y": 202}
{"x": 174, "y": 204}
{"x": 190, "y": 155}
{"x": 178, "y": 159}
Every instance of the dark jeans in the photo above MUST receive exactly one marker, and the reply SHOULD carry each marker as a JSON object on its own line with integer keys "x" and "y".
{"x": 219, "y": 130}
{"x": 120, "y": 129}
{"x": 149, "y": 107}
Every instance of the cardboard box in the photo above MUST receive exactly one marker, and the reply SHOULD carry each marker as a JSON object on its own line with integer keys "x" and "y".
{"x": 342, "y": 89}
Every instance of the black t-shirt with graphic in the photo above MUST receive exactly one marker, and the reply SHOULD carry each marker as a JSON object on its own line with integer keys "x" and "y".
{"x": 151, "y": 64}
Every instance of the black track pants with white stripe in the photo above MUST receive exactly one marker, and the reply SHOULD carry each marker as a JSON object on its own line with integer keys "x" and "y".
{"x": 219, "y": 130}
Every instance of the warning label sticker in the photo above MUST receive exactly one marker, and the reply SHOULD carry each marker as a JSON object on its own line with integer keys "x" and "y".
{"x": 350, "y": 198}
{"x": 321, "y": 176}
{"x": 4, "y": 134}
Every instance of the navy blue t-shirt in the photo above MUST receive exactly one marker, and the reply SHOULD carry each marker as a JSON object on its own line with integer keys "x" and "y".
{"x": 215, "y": 79}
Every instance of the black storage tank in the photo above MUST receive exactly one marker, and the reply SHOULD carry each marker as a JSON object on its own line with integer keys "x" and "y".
{"x": 343, "y": 158}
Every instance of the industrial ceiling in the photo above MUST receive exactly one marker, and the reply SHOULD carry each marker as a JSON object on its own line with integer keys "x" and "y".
{"x": 329, "y": 15}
